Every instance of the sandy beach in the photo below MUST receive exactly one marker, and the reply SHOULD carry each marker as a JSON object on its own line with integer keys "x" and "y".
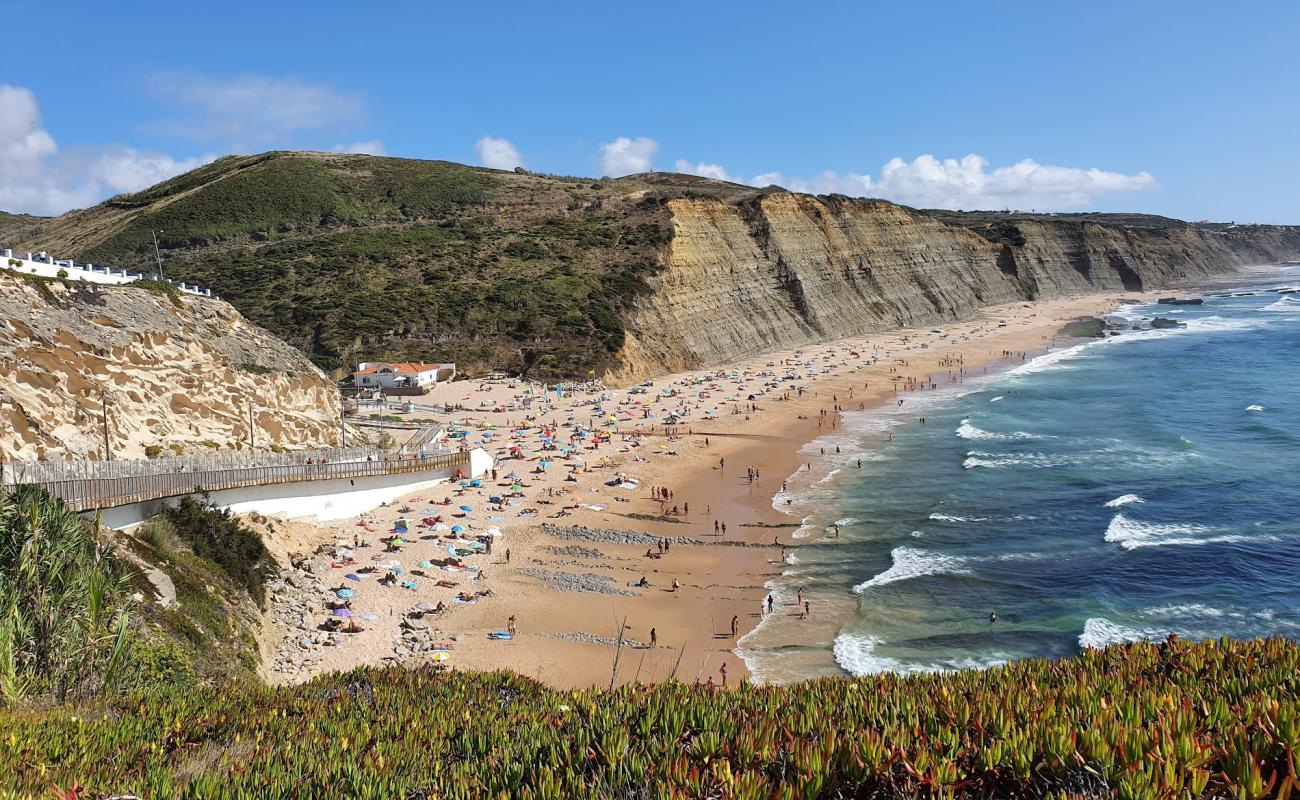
{"x": 723, "y": 442}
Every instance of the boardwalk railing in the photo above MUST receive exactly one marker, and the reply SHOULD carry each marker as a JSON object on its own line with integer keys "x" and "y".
{"x": 84, "y": 494}
{"x": 47, "y": 471}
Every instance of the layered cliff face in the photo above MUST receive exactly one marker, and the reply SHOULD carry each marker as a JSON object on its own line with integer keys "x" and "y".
{"x": 779, "y": 270}
{"x": 177, "y": 374}
{"x": 365, "y": 258}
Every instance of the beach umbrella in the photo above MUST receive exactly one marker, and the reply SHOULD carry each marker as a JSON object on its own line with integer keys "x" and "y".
{"x": 494, "y": 499}
{"x": 352, "y": 576}
{"x": 426, "y": 564}
{"x": 344, "y": 594}
{"x": 396, "y": 570}
{"x": 457, "y": 528}
{"x": 441, "y": 655}
{"x": 342, "y": 612}
{"x": 466, "y": 508}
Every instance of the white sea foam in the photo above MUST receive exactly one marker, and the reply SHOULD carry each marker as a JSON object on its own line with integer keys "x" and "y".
{"x": 855, "y": 653}
{"x": 911, "y": 562}
{"x": 996, "y": 399}
{"x": 1285, "y": 305}
{"x": 847, "y": 521}
{"x": 1255, "y": 407}
{"x": 1123, "y": 500}
{"x": 937, "y": 517}
{"x": 968, "y": 431}
{"x": 1131, "y": 534}
{"x": 1099, "y": 632}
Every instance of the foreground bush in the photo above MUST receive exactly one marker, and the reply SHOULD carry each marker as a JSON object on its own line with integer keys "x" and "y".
{"x": 63, "y": 600}
{"x": 1219, "y": 719}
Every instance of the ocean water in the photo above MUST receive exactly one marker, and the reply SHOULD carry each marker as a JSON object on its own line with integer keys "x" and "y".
{"x": 1120, "y": 489}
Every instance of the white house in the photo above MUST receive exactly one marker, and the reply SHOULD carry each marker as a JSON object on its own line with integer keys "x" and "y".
{"x": 43, "y": 265}
{"x": 401, "y": 375}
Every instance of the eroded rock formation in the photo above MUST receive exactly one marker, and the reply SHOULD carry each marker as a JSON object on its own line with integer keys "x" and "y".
{"x": 177, "y": 375}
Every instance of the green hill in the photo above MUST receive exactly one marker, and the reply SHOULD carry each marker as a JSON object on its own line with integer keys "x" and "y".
{"x": 355, "y": 256}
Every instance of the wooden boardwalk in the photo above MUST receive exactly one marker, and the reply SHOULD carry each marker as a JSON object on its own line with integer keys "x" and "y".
{"x": 90, "y": 493}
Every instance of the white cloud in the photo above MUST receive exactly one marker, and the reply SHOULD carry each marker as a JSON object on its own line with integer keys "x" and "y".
{"x": 251, "y": 108}
{"x": 766, "y": 179}
{"x": 967, "y": 183}
{"x": 498, "y": 153}
{"x": 625, "y": 156}
{"x": 704, "y": 170}
{"x": 370, "y": 147}
{"x": 35, "y": 177}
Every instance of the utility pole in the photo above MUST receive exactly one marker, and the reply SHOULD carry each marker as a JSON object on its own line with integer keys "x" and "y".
{"x": 252, "y": 436}
{"x": 157, "y": 254}
{"x": 103, "y": 416}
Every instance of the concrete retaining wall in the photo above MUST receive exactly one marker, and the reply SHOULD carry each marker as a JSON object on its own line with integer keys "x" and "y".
{"x": 312, "y": 501}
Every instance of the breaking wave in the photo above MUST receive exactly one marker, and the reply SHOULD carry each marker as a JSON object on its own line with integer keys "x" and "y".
{"x": 1123, "y": 500}
{"x": 910, "y": 562}
{"x": 968, "y": 431}
{"x": 1099, "y": 632}
{"x": 1131, "y": 534}
{"x": 855, "y": 653}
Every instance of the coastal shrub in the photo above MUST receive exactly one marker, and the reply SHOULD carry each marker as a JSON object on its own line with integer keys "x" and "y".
{"x": 158, "y": 663}
{"x": 63, "y": 600}
{"x": 1160, "y": 721}
{"x": 62, "y": 273}
{"x": 162, "y": 288}
{"x": 216, "y": 535}
{"x": 152, "y": 450}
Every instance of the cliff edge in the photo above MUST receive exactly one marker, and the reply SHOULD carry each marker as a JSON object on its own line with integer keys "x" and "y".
{"x": 165, "y": 373}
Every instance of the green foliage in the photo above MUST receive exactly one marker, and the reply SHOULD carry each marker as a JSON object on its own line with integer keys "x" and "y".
{"x": 1179, "y": 720}
{"x": 63, "y": 600}
{"x": 160, "y": 288}
{"x": 61, "y": 274}
{"x": 152, "y": 450}
{"x": 352, "y": 257}
{"x": 216, "y": 535}
{"x": 160, "y": 662}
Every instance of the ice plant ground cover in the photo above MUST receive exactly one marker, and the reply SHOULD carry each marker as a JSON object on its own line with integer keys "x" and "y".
{"x": 1171, "y": 720}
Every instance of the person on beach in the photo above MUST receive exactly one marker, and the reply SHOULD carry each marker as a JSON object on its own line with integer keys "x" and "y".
{"x": 807, "y": 607}
{"x": 735, "y": 625}
{"x": 769, "y": 604}
{"x": 654, "y": 638}
{"x": 723, "y": 672}
{"x": 510, "y": 625}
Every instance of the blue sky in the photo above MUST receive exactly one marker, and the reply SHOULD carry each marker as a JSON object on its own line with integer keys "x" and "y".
{"x": 1188, "y": 109}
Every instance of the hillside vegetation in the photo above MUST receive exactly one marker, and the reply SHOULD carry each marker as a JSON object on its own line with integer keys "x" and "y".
{"x": 87, "y": 614}
{"x": 1179, "y": 720}
{"x": 354, "y": 256}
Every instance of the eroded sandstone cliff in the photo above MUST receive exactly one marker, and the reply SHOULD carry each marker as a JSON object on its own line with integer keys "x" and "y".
{"x": 177, "y": 374}
{"x": 777, "y": 270}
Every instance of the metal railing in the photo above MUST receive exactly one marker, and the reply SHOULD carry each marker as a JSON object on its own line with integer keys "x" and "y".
{"x": 12, "y": 472}
{"x": 84, "y": 494}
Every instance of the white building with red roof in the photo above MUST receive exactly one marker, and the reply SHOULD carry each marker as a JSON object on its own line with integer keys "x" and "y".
{"x": 401, "y": 375}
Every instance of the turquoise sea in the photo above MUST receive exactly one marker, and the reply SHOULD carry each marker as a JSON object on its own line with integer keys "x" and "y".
{"x": 1118, "y": 489}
